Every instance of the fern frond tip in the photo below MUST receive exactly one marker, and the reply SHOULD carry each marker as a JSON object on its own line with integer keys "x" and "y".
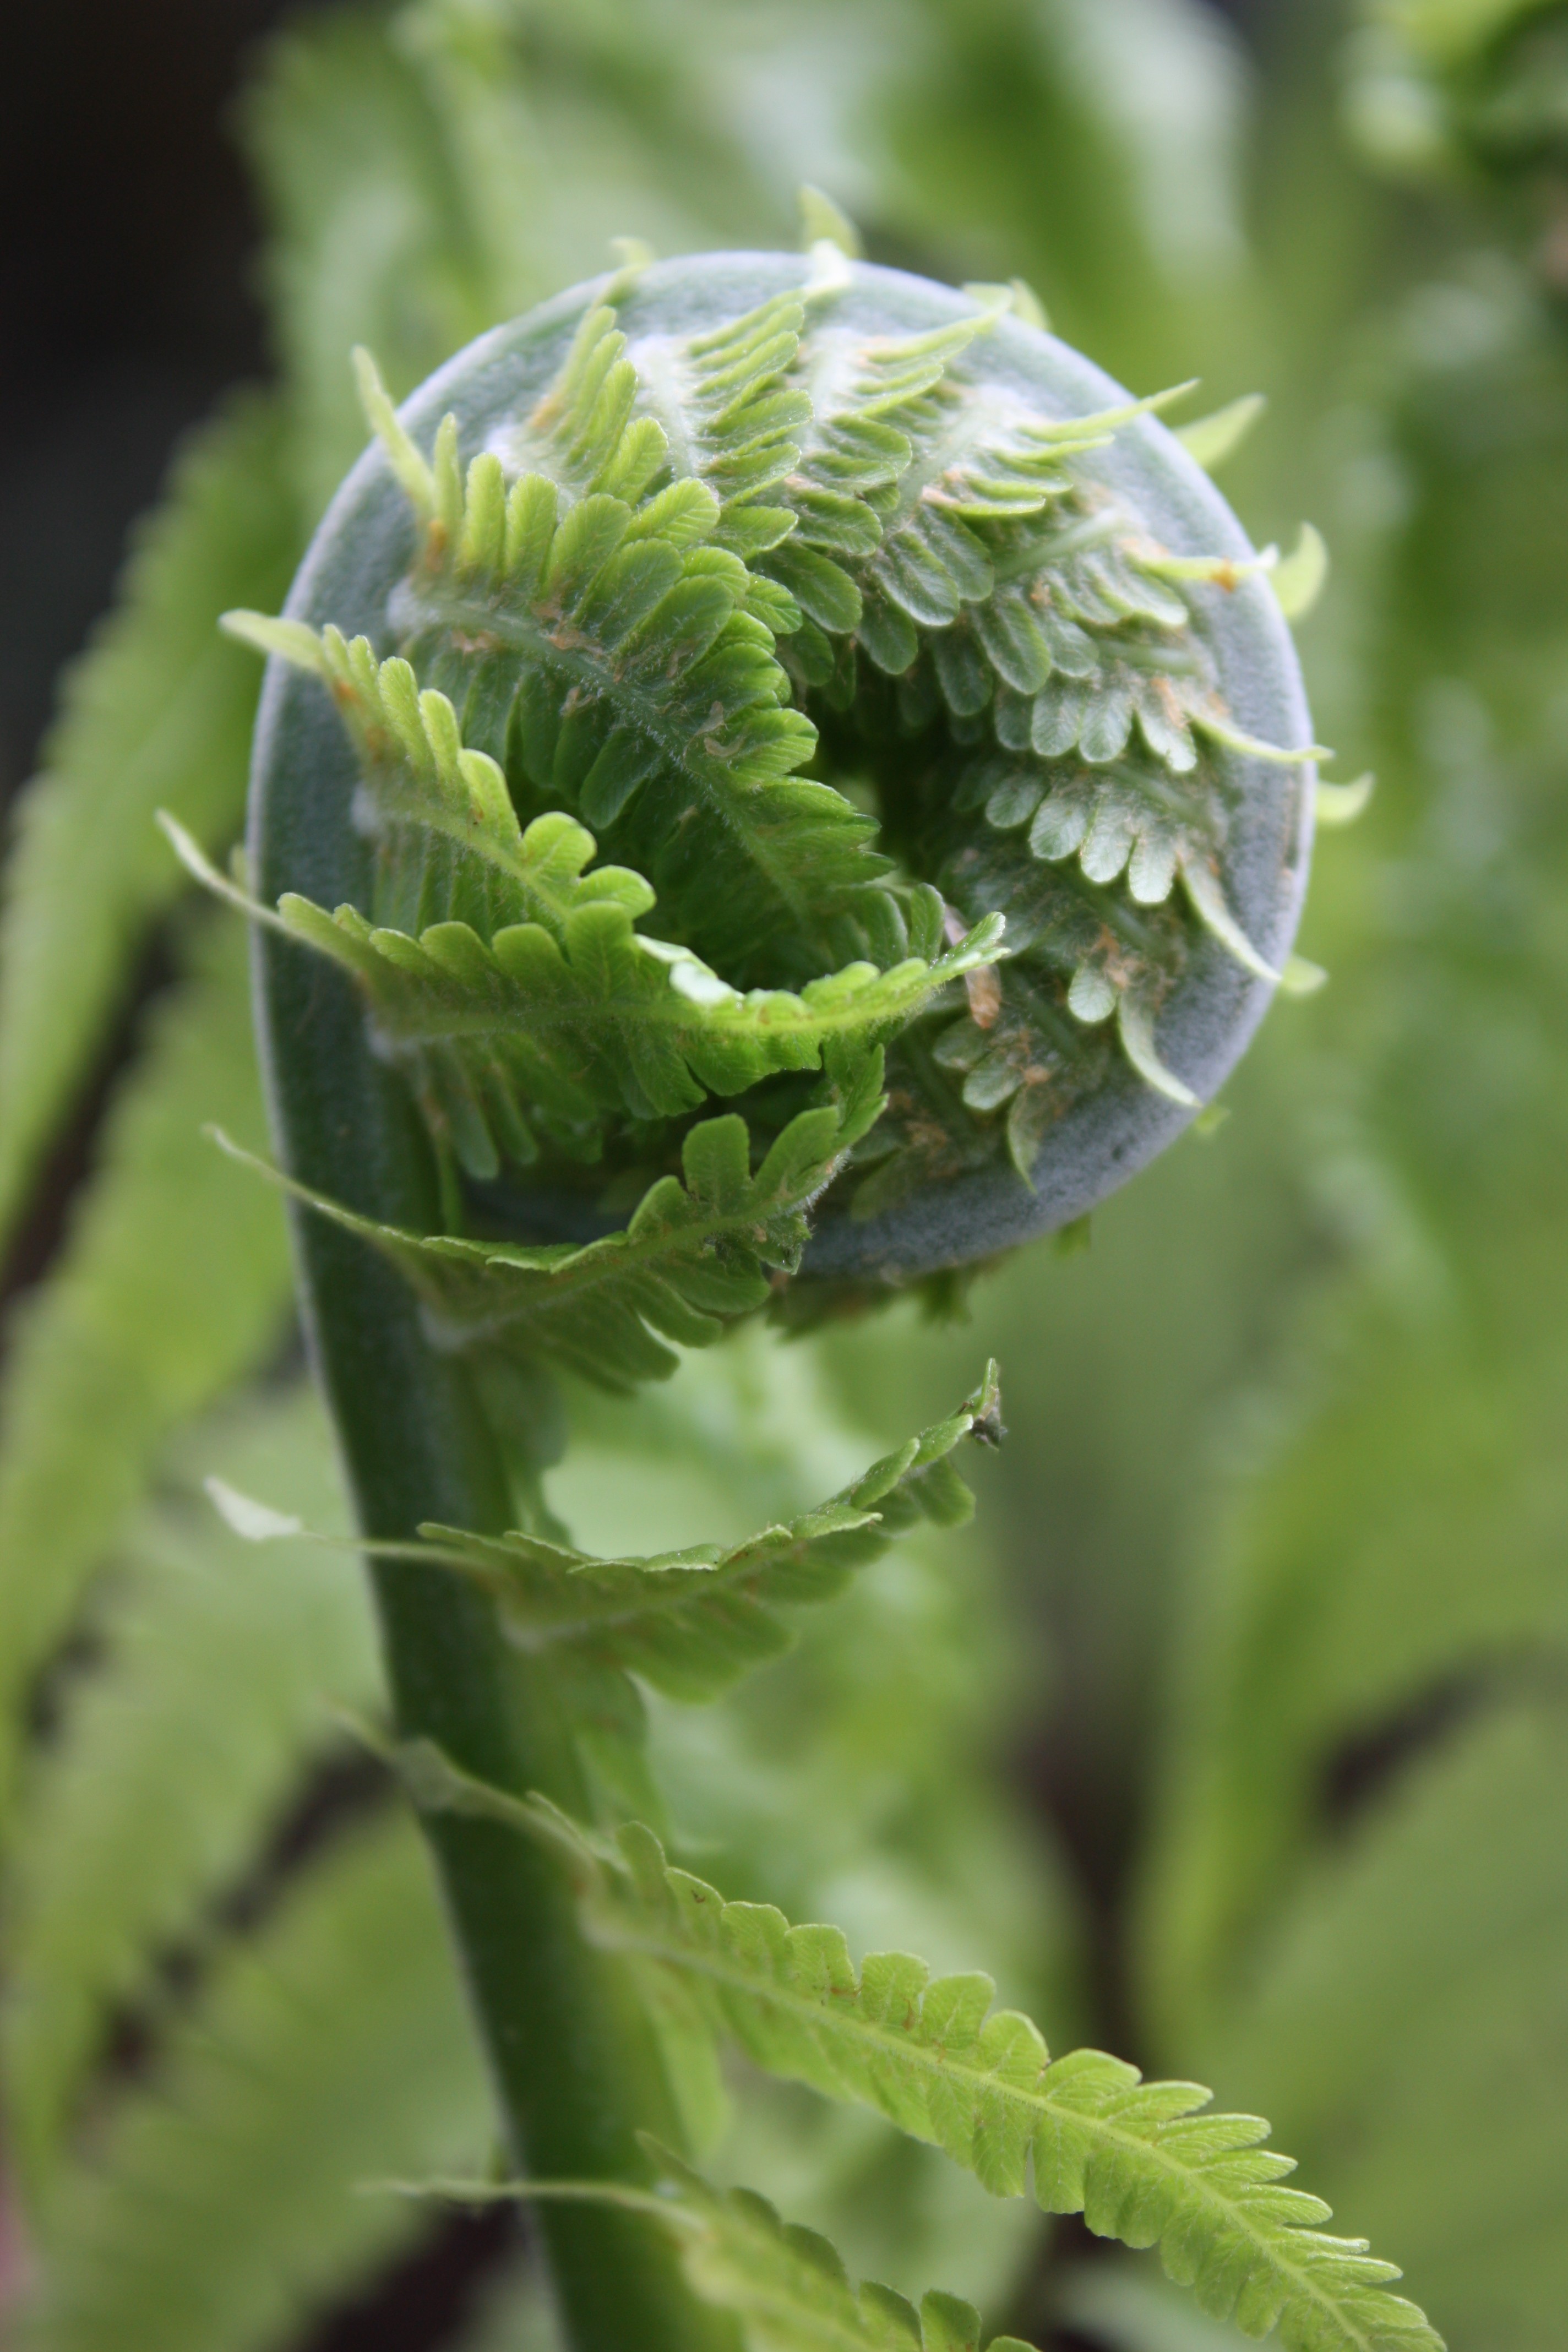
{"x": 270, "y": 634}
{"x": 411, "y": 468}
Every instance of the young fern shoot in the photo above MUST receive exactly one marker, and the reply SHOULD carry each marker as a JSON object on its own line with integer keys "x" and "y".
{"x": 772, "y": 770}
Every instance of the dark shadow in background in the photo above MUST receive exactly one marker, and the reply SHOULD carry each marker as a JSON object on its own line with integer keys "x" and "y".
{"x": 126, "y": 232}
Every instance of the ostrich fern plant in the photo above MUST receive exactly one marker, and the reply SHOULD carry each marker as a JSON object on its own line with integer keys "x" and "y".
{"x": 695, "y": 507}
{"x": 1308, "y": 1865}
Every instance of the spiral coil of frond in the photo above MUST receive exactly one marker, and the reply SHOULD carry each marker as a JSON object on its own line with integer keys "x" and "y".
{"x": 602, "y": 892}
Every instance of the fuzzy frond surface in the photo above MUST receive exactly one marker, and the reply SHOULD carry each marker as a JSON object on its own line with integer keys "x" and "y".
{"x": 699, "y": 566}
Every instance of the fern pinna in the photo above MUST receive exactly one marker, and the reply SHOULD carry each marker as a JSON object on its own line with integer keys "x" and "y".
{"x": 592, "y": 1023}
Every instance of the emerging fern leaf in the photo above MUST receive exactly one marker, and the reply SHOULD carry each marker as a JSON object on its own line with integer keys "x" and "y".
{"x": 634, "y": 610}
{"x": 615, "y": 649}
{"x": 695, "y": 1255}
{"x": 693, "y": 1622}
{"x": 1139, "y": 2160}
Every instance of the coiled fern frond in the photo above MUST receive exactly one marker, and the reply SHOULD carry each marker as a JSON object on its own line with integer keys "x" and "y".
{"x": 530, "y": 777}
{"x": 679, "y": 562}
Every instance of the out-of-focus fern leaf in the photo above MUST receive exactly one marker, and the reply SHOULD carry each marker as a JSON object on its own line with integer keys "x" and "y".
{"x": 569, "y": 126}
{"x": 123, "y": 1842}
{"x": 787, "y": 2285}
{"x": 1407, "y": 2013}
{"x": 694, "y": 1253}
{"x": 1346, "y": 1594}
{"x": 371, "y": 242}
{"x": 1139, "y": 2160}
{"x": 1096, "y": 145}
{"x": 171, "y": 1283}
{"x": 423, "y": 186}
{"x": 1120, "y": 2307}
{"x": 223, "y": 2200}
{"x": 156, "y": 714}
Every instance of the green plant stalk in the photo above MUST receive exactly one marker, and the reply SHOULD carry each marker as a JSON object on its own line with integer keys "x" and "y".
{"x": 576, "y": 2068}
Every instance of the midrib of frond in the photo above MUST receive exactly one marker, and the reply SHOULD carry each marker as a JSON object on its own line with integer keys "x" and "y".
{"x": 665, "y": 388}
{"x": 587, "y": 665}
{"x": 984, "y": 413}
{"x": 936, "y": 2067}
{"x": 1067, "y": 538}
{"x": 564, "y": 1286}
{"x": 741, "y": 1020}
{"x": 709, "y": 1581}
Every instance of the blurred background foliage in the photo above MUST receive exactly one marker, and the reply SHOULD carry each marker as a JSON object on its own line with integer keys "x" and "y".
{"x": 1234, "y": 1736}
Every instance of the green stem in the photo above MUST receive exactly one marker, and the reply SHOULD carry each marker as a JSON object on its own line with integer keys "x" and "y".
{"x": 574, "y": 2063}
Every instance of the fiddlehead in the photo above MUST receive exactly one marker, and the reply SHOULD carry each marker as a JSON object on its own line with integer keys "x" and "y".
{"x": 667, "y": 552}
{"x": 772, "y": 768}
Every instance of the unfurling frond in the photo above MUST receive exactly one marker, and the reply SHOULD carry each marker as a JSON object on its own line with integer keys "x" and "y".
{"x": 568, "y": 1012}
{"x": 695, "y": 1253}
{"x": 1140, "y": 2162}
{"x": 691, "y": 1623}
{"x": 628, "y": 613}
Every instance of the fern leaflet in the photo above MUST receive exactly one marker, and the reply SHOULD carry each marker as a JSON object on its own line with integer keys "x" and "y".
{"x": 693, "y": 1622}
{"x": 694, "y": 1256}
{"x": 145, "y": 1318}
{"x": 786, "y": 2285}
{"x": 1139, "y": 2160}
{"x": 158, "y": 709}
{"x": 556, "y": 1004}
{"x": 615, "y": 648}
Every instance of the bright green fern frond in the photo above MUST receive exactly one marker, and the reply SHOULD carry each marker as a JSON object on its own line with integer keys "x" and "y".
{"x": 605, "y": 1019}
{"x": 691, "y": 1623}
{"x": 1139, "y": 2161}
{"x": 694, "y": 1255}
{"x": 613, "y": 664}
{"x": 561, "y": 1011}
